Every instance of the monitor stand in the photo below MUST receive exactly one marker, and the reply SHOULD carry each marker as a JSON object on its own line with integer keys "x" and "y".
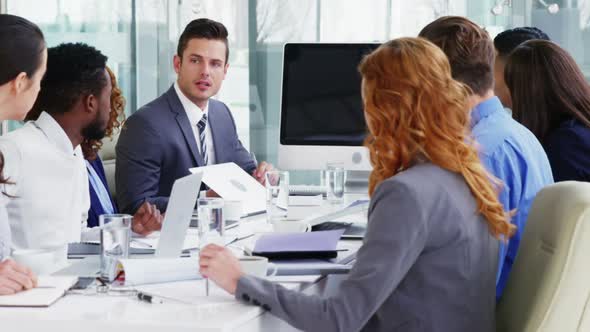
{"x": 357, "y": 182}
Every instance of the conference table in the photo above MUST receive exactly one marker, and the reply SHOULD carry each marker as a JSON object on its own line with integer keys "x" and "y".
{"x": 88, "y": 310}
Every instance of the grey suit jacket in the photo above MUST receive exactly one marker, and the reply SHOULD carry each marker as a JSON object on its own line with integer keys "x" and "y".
{"x": 428, "y": 263}
{"x": 157, "y": 146}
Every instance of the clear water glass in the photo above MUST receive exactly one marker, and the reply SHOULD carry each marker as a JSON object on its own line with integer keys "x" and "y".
{"x": 277, "y": 195}
{"x": 211, "y": 220}
{"x": 115, "y": 233}
{"x": 334, "y": 180}
{"x": 211, "y": 224}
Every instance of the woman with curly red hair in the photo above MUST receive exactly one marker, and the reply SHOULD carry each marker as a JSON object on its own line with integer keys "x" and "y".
{"x": 147, "y": 218}
{"x": 429, "y": 258}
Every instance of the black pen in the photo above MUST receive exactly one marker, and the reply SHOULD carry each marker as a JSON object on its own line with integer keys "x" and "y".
{"x": 157, "y": 299}
{"x": 150, "y": 298}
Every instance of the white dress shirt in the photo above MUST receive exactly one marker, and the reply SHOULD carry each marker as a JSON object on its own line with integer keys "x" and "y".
{"x": 4, "y": 228}
{"x": 51, "y": 198}
{"x": 195, "y": 114}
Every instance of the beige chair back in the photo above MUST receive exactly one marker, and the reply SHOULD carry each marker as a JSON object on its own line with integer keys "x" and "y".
{"x": 549, "y": 287}
{"x": 108, "y": 156}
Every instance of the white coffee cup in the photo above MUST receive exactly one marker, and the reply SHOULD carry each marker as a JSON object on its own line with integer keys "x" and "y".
{"x": 232, "y": 210}
{"x": 40, "y": 261}
{"x": 291, "y": 226}
{"x": 257, "y": 266}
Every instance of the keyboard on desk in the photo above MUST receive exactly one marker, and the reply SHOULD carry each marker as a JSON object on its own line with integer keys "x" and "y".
{"x": 306, "y": 190}
{"x": 352, "y": 231}
{"x": 330, "y": 226}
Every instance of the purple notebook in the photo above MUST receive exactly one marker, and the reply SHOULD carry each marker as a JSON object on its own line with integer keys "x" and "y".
{"x": 299, "y": 245}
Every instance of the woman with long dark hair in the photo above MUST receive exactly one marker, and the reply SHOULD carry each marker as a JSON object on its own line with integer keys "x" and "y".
{"x": 551, "y": 97}
{"x": 23, "y": 57}
{"x": 429, "y": 258}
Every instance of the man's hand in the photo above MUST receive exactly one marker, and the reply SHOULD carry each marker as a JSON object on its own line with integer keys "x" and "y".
{"x": 147, "y": 219}
{"x": 15, "y": 277}
{"x": 259, "y": 172}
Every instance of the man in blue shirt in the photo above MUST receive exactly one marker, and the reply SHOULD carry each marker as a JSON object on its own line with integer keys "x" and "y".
{"x": 508, "y": 150}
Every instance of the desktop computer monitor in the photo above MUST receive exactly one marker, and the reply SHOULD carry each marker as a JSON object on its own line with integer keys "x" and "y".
{"x": 322, "y": 118}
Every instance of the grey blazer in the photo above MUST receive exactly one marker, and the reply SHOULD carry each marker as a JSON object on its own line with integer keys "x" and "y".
{"x": 157, "y": 146}
{"x": 428, "y": 263}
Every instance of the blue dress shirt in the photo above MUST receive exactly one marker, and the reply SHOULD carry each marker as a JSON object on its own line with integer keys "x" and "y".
{"x": 511, "y": 153}
{"x": 100, "y": 198}
{"x": 568, "y": 149}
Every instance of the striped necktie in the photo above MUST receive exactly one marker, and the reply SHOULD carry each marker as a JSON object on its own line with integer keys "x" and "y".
{"x": 202, "y": 125}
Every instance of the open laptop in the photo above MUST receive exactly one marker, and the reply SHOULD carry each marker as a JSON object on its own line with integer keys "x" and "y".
{"x": 232, "y": 183}
{"x": 181, "y": 204}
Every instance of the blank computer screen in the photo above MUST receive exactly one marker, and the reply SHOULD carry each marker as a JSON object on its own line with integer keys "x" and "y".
{"x": 321, "y": 97}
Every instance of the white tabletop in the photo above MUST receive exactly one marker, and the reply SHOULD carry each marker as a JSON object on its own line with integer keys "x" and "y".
{"x": 88, "y": 311}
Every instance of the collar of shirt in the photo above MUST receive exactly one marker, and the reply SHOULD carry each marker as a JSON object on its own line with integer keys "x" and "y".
{"x": 485, "y": 109}
{"x": 55, "y": 134}
{"x": 193, "y": 111}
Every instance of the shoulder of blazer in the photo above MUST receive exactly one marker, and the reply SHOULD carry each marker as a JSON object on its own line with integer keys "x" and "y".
{"x": 221, "y": 110}
{"x": 155, "y": 109}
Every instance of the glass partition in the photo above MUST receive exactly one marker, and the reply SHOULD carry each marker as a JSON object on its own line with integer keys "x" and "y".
{"x": 140, "y": 39}
{"x": 107, "y": 25}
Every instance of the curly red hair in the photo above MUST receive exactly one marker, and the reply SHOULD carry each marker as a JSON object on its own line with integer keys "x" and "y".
{"x": 415, "y": 111}
{"x": 90, "y": 147}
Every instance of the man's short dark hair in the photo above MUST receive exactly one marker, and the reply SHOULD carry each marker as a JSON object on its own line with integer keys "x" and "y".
{"x": 469, "y": 48}
{"x": 73, "y": 70}
{"x": 206, "y": 29}
{"x": 506, "y": 41}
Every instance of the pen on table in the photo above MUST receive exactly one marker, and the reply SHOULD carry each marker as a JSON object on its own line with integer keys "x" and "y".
{"x": 150, "y": 298}
{"x": 157, "y": 299}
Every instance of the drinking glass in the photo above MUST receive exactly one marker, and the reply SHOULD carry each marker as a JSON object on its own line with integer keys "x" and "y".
{"x": 334, "y": 179}
{"x": 211, "y": 224}
{"x": 277, "y": 195}
{"x": 115, "y": 232}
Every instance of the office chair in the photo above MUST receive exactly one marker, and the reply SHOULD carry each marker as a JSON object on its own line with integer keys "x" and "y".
{"x": 108, "y": 156}
{"x": 549, "y": 286}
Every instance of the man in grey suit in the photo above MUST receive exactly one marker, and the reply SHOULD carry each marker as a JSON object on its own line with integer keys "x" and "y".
{"x": 183, "y": 128}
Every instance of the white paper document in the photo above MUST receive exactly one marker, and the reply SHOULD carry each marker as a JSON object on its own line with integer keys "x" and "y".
{"x": 49, "y": 289}
{"x": 220, "y": 310}
{"x": 157, "y": 270}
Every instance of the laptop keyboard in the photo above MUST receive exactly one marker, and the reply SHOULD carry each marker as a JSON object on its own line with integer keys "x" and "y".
{"x": 306, "y": 190}
{"x": 330, "y": 226}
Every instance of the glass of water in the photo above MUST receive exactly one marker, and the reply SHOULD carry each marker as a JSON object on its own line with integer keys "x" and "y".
{"x": 211, "y": 220}
{"x": 211, "y": 224}
{"x": 334, "y": 180}
{"x": 115, "y": 232}
{"x": 277, "y": 195}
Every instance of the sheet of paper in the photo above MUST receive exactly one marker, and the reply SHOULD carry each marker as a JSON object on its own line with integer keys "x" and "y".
{"x": 157, "y": 270}
{"x": 233, "y": 183}
{"x": 191, "y": 240}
